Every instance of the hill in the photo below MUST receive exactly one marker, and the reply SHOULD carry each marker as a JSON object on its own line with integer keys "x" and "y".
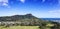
{"x": 27, "y": 20}
{"x": 17, "y": 17}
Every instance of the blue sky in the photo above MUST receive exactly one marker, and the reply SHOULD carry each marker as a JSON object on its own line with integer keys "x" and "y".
{"x": 39, "y": 8}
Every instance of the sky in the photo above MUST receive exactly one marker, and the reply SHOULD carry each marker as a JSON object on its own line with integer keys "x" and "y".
{"x": 38, "y": 8}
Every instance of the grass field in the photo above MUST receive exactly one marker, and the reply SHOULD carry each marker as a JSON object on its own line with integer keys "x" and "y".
{"x": 20, "y": 27}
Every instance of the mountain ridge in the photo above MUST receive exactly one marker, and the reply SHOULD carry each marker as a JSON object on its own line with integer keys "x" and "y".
{"x": 17, "y": 17}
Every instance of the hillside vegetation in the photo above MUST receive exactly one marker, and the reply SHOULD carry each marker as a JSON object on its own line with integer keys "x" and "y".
{"x": 27, "y": 20}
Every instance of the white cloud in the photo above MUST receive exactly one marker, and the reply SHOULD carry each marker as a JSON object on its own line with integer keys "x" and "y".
{"x": 22, "y": 1}
{"x": 43, "y": 0}
{"x": 3, "y": 2}
{"x": 59, "y": 1}
{"x": 55, "y": 12}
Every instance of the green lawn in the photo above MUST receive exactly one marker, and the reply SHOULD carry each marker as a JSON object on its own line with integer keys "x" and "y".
{"x": 20, "y": 27}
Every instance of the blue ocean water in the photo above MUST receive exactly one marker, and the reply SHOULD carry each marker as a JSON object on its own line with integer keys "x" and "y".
{"x": 52, "y": 19}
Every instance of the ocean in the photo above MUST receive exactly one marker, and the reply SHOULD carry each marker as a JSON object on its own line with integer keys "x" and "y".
{"x": 52, "y": 19}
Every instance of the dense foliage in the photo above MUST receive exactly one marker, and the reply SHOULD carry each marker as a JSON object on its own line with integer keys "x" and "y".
{"x": 27, "y": 20}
